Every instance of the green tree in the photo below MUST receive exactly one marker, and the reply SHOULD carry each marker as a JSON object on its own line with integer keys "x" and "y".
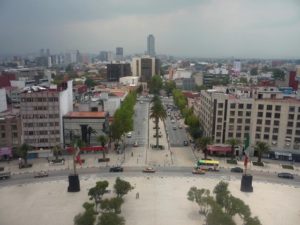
{"x": 253, "y": 221}
{"x": 202, "y": 144}
{"x": 98, "y": 191}
{"x": 90, "y": 82}
{"x": 218, "y": 217}
{"x": 222, "y": 193}
{"x": 22, "y": 151}
{"x": 86, "y": 218}
{"x": 169, "y": 86}
{"x": 155, "y": 84}
{"x": 278, "y": 74}
{"x": 122, "y": 187}
{"x": 261, "y": 148}
{"x": 202, "y": 198}
{"x": 111, "y": 219}
{"x": 157, "y": 112}
{"x": 102, "y": 139}
{"x": 112, "y": 205}
{"x": 233, "y": 142}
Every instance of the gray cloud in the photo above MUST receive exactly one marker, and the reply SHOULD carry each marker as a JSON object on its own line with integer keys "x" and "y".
{"x": 211, "y": 28}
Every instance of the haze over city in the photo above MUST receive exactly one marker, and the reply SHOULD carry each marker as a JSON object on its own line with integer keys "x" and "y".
{"x": 210, "y": 28}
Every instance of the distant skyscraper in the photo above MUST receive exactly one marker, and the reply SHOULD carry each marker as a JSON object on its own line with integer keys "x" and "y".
{"x": 119, "y": 53}
{"x": 151, "y": 45}
{"x": 42, "y": 52}
{"x": 48, "y": 52}
{"x": 237, "y": 67}
{"x": 103, "y": 56}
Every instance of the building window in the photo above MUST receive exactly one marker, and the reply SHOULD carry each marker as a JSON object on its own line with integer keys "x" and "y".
{"x": 220, "y": 105}
{"x": 239, "y": 128}
{"x": 275, "y": 130}
{"x": 232, "y": 113}
{"x": 260, "y": 114}
{"x": 240, "y": 113}
{"x": 276, "y": 122}
{"x": 232, "y": 105}
{"x": 219, "y": 127}
{"x": 268, "y": 122}
{"x": 298, "y": 124}
{"x": 297, "y": 132}
{"x": 259, "y": 121}
{"x": 292, "y": 109}
{"x": 291, "y": 116}
{"x": 2, "y": 135}
{"x": 248, "y": 113}
{"x": 230, "y": 134}
{"x": 231, "y": 120}
{"x": 260, "y": 106}
{"x": 269, "y": 107}
{"x": 289, "y": 131}
{"x": 277, "y": 115}
{"x": 219, "y": 120}
{"x": 231, "y": 127}
{"x": 247, "y": 121}
{"x": 239, "y": 120}
{"x": 15, "y": 135}
{"x": 258, "y": 129}
{"x": 238, "y": 135}
{"x": 274, "y": 137}
{"x": 220, "y": 113}
{"x": 266, "y": 136}
{"x": 267, "y": 129}
{"x": 247, "y": 128}
{"x": 290, "y": 124}
{"x": 241, "y": 106}
{"x": 218, "y": 134}
{"x": 257, "y": 136}
{"x": 249, "y": 106}
{"x": 277, "y": 108}
{"x": 268, "y": 115}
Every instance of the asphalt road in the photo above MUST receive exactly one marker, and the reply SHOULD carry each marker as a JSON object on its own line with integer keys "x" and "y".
{"x": 223, "y": 174}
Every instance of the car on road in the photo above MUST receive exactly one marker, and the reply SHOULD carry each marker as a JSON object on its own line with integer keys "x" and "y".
{"x": 198, "y": 171}
{"x": 116, "y": 169}
{"x": 135, "y": 144}
{"x": 286, "y": 175}
{"x": 180, "y": 126}
{"x": 237, "y": 170}
{"x": 174, "y": 127}
{"x": 185, "y": 143}
{"x": 41, "y": 174}
{"x": 172, "y": 121}
{"x": 141, "y": 102}
{"x": 149, "y": 170}
{"x": 129, "y": 134}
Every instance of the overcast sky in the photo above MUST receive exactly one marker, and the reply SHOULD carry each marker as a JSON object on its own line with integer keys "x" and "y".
{"x": 204, "y": 28}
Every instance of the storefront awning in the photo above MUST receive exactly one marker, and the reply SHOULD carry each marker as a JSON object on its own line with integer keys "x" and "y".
{"x": 219, "y": 148}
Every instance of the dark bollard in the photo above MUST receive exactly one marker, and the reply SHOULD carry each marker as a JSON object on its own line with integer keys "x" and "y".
{"x": 246, "y": 183}
{"x": 74, "y": 184}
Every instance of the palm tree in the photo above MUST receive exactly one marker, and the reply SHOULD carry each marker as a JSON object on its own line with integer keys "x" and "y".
{"x": 103, "y": 141}
{"x": 56, "y": 151}
{"x": 202, "y": 143}
{"x": 23, "y": 151}
{"x": 157, "y": 112}
{"x": 233, "y": 142}
{"x": 261, "y": 148}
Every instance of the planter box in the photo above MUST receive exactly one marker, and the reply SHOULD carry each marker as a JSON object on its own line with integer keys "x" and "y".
{"x": 231, "y": 161}
{"x": 289, "y": 167}
{"x": 103, "y": 160}
{"x": 28, "y": 165}
{"x": 258, "y": 164}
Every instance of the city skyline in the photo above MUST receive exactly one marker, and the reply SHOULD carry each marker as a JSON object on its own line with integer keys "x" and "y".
{"x": 210, "y": 28}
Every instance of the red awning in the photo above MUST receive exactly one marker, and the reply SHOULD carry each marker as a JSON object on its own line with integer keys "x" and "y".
{"x": 218, "y": 148}
{"x": 91, "y": 148}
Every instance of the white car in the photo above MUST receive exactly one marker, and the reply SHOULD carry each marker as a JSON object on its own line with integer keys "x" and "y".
{"x": 129, "y": 134}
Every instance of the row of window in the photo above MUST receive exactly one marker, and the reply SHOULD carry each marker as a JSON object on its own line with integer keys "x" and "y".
{"x": 51, "y": 124}
{"x": 50, "y": 99}
{"x": 269, "y": 107}
{"x": 13, "y": 127}
{"x": 268, "y": 115}
{"x": 240, "y": 106}
{"x": 14, "y": 135}
{"x": 41, "y": 140}
{"x": 237, "y": 135}
{"x": 41, "y": 132}
{"x": 40, "y": 116}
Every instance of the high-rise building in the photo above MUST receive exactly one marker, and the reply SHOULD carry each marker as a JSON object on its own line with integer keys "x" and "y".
{"x": 42, "y": 110}
{"x": 145, "y": 68}
{"x": 3, "y": 104}
{"x": 103, "y": 56}
{"x": 237, "y": 67}
{"x": 151, "y": 45}
{"x": 117, "y": 70}
{"x": 119, "y": 53}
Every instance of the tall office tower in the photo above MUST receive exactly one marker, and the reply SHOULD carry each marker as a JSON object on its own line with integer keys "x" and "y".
{"x": 117, "y": 70}
{"x": 151, "y": 45}
{"x": 48, "y": 52}
{"x": 119, "y": 53}
{"x": 103, "y": 55}
{"x": 42, "y": 52}
{"x": 237, "y": 67}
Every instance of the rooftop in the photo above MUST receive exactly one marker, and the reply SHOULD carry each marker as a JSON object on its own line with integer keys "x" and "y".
{"x": 86, "y": 114}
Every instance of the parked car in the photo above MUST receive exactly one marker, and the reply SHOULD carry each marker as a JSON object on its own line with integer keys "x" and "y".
{"x": 129, "y": 134}
{"x": 286, "y": 175}
{"x": 116, "y": 169}
{"x": 237, "y": 170}
{"x": 185, "y": 143}
{"x": 135, "y": 144}
{"x": 198, "y": 171}
{"x": 174, "y": 127}
{"x": 149, "y": 170}
{"x": 41, "y": 174}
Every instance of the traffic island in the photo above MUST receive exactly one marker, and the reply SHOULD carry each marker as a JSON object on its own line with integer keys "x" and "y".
{"x": 74, "y": 184}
